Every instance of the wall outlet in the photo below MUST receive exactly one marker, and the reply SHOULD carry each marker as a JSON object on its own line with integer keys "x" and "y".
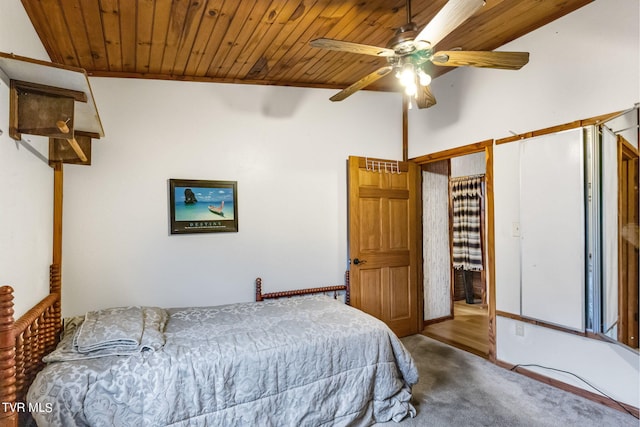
{"x": 519, "y": 329}
{"x": 515, "y": 229}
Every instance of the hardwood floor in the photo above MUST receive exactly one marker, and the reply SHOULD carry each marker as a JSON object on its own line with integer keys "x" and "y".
{"x": 468, "y": 330}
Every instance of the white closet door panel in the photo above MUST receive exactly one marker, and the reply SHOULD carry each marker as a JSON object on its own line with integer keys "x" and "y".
{"x": 552, "y": 229}
{"x": 506, "y": 202}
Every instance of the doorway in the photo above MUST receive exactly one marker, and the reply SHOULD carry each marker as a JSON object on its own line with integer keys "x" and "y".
{"x": 456, "y": 298}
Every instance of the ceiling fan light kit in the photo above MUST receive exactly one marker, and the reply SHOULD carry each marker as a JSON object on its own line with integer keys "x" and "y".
{"x": 408, "y": 53}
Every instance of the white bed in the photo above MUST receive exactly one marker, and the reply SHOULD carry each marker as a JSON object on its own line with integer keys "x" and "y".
{"x": 304, "y": 361}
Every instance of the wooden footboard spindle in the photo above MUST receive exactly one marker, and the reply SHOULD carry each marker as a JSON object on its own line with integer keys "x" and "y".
{"x": 8, "y": 415}
{"x": 322, "y": 290}
{"x": 23, "y": 344}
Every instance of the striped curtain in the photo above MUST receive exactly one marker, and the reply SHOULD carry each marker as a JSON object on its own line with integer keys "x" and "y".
{"x": 466, "y": 193}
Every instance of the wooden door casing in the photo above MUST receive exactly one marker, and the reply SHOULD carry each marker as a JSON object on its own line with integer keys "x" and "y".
{"x": 384, "y": 238}
{"x": 628, "y": 269}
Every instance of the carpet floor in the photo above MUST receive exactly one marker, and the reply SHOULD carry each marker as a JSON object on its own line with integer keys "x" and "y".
{"x": 457, "y": 388}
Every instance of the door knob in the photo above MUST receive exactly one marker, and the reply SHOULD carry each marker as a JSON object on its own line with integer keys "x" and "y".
{"x": 357, "y": 261}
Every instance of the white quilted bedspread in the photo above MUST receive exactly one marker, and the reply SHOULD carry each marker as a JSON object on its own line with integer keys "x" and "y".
{"x": 309, "y": 361}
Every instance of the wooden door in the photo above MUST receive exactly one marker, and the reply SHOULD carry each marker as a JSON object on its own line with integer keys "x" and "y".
{"x": 385, "y": 237}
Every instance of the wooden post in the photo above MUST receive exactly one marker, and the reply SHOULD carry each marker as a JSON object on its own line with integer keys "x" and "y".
{"x": 57, "y": 212}
{"x": 55, "y": 271}
{"x": 347, "y": 296}
{"x": 258, "y": 289}
{"x": 8, "y": 416}
{"x": 55, "y": 287}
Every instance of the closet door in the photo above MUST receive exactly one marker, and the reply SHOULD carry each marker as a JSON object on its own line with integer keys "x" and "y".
{"x": 552, "y": 223}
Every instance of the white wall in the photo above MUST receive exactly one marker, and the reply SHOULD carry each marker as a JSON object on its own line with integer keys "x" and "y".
{"x": 582, "y": 65}
{"x": 570, "y": 76}
{"x": 469, "y": 164}
{"x": 26, "y": 181}
{"x": 286, "y": 148}
{"x": 611, "y": 368}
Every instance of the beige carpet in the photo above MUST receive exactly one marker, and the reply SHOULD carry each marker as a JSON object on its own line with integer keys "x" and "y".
{"x": 457, "y": 388}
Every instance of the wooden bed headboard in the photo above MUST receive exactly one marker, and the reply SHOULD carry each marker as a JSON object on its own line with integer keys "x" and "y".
{"x": 23, "y": 343}
{"x": 282, "y": 294}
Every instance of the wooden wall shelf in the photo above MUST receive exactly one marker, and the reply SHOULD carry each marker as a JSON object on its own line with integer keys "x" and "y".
{"x": 51, "y": 100}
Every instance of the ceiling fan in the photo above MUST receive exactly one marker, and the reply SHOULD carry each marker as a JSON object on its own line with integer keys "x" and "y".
{"x": 410, "y": 52}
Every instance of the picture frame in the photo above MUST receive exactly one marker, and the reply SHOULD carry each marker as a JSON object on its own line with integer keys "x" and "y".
{"x": 202, "y": 206}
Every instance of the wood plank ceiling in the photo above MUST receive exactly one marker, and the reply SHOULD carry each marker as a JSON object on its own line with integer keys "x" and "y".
{"x": 260, "y": 42}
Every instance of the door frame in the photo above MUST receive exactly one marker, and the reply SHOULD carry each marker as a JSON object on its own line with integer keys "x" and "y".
{"x": 627, "y": 255}
{"x": 486, "y": 147}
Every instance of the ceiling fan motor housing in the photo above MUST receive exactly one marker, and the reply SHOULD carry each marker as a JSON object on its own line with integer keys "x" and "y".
{"x": 402, "y": 42}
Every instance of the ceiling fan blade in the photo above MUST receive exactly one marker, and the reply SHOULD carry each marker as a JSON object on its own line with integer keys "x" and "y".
{"x": 343, "y": 46}
{"x": 363, "y": 82}
{"x": 503, "y": 60}
{"x": 424, "y": 97}
{"x": 454, "y": 13}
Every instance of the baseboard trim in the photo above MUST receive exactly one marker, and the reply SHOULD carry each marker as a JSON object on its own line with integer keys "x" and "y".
{"x": 620, "y": 406}
{"x": 426, "y": 323}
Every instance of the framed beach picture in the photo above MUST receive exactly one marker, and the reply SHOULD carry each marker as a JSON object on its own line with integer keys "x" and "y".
{"x": 202, "y": 206}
